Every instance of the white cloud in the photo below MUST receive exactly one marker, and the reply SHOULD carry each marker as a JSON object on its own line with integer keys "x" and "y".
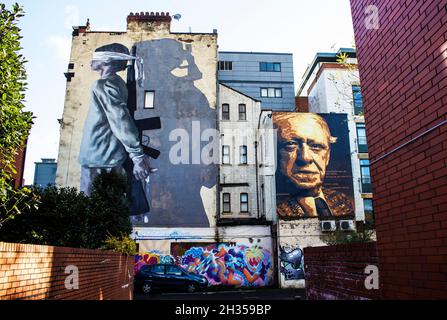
{"x": 61, "y": 46}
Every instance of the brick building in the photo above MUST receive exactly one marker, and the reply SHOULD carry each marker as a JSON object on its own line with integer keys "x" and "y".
{"x": 402, "y": 54}
{"x": 19, "y": 164}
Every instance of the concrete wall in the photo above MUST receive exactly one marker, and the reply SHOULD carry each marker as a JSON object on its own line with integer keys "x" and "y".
{"x": 267, "y": 167}
{"x": 403, "y": 68}
{"x": 338, "y": 272}
{"x": 293, "y": 237}
{"x": 236, "y": 133}
{"x": 32, "y": 272}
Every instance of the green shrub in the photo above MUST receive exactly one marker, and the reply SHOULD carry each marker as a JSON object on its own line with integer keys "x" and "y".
{"x": 123, "y": 244}
{"x": 15, "y": 123}
{"x": 68, "y": 218}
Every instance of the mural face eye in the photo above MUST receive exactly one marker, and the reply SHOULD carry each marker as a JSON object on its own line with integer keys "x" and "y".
{"x": 317, "y": 146}
{"x": 290, "y": 146}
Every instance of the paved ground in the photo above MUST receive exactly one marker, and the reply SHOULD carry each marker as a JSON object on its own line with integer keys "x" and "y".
{"x": 243, "y": 294}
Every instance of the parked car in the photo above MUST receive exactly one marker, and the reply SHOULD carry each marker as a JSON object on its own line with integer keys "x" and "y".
{"x": 168, "y": 276}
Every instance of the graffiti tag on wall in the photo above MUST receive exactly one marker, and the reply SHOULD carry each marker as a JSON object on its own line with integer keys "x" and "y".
{"x": 227, "y": 265}
{"x": 292, "y": 264}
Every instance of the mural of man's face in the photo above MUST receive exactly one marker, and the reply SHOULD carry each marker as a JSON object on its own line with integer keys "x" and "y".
{"x": 304, "y": 151}
{"x": 96, "y": 65}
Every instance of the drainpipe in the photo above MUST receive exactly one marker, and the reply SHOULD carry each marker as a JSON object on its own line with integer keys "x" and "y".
{"x": 257, "y": 175}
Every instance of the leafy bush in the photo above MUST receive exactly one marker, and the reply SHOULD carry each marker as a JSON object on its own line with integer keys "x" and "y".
{"x": 15, "y": 124}
{"x": 68, "y": 218}
{"x": 123, "y": 244}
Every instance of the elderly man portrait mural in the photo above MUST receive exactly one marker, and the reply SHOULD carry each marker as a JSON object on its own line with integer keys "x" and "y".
{"x": 305, "y": 156}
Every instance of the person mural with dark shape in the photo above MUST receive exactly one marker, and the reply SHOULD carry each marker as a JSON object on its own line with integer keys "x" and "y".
{"x": 304, "y": 149}
{"x": 110, "y": 135}
{"x": 178, "y": 190}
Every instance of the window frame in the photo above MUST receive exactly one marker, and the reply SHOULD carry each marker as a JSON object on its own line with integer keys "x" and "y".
{"x": 224, "y": 155}
{"x": 226, "y": 202}
{"x": 270, "y": 66}
{"x": 363, "y": 147}
{"x": 244, "y": 203}
{"x": 153, "y": 100}
{"x": 244, "y": 113}
{"x": 225, "y": 65}
{"x": 356, "y": 102}
{"x": 271, "y": 89}
{"x": 243, "y": 155}
{"x": 366, "y": 185}
{"x": 227, "y": 112}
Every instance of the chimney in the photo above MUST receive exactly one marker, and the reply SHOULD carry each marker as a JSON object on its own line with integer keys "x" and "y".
{"x": 149, "y": 22}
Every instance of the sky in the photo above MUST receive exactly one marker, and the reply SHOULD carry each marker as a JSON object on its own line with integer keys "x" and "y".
{"x": 301, "y": 27}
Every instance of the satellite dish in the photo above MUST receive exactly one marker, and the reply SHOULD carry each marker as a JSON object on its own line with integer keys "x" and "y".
{"x": 177, "y": 16}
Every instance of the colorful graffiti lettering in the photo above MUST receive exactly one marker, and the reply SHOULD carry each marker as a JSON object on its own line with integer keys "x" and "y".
{"x": 231, "y": 265}
{"x": 224, "y": 264}
{"x": 292, "y": 264}
{"x": 150, "y": 258}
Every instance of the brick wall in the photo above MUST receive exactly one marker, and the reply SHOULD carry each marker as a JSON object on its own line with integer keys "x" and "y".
{"x": 403, "y": 71}
{"x": 34, "y": 272}
{"x": 20, "y": 168}
{"x": 338, "y": 272}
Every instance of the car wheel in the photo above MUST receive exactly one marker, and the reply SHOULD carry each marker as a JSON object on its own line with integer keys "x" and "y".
{"x": 191, "y": 288}
{"x": 146, "y": 288}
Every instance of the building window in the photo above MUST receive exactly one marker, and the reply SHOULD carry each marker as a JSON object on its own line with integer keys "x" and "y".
{"x": 270, "y": 67}
{"x": 225, "y": 112}
{"x": 243, "y": 155}
{"x": 149, "y": 100}
{"x": 361, "y": 138}
{"x": 225, "y": 65}
{"x": 244, "y": 202}
{"x": 358, "y": 102}
{"x": 226, "y": 203}
{"x": 225, "y": 154}
{"x": 271, "y": 93}
{"x": 242, "y": 112}
{"x": 369, "y": 213}
{"x": 365, "y": 176}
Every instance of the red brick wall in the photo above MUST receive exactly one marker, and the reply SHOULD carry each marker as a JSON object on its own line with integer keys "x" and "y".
{"x": 338, "y": 272}
{"x": 302, "y": 104}
{"x": 34, "y": 272}
{"x": 403, "y": 71}
{"x": 20, "y": 168}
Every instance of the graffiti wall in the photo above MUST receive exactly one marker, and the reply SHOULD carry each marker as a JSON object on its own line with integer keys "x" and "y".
{"x": 295, "y": 236}
{"x": 223, "y": 264}
{"x": 314, "y": 176}
{"x": 292, "y": 263}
